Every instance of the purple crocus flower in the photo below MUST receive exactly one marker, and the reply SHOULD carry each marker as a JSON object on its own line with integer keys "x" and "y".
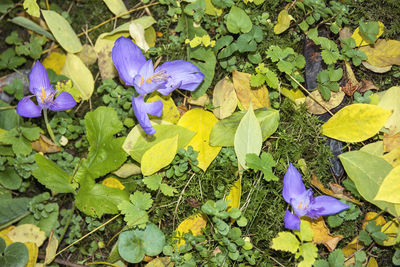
{"x": 303, "y": 202}
{"x": 39, "y": 86}
{"x": 136, "y": 71}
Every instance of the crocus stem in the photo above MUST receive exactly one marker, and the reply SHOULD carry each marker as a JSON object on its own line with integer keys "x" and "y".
{"x": 48, "y": 126}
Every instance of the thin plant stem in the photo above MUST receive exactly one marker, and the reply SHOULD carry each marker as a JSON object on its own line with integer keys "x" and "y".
{"x": 88, "y": 234}
{"x": 8, "y": 107}
{"x": 48, "y": 126}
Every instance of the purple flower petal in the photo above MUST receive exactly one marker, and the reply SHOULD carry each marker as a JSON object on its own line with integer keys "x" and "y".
{"x": 301, "y": 203}
{"x": 292, "y": 221}
{"x": 26, "y": 108}
{"x": 39, "y": 79}
{"x": 182, "y": 74}
{"x": 127, "y": 58}
{"x": 141, "y": 109}
{"x": 293, "y": 186}
{"x": 63, "y": 101}
{"x": 325, "y": 205}
{"x": 145, "y": 82}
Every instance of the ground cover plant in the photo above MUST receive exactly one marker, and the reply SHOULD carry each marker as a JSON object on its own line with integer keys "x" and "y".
{"x": 199, "y": 133}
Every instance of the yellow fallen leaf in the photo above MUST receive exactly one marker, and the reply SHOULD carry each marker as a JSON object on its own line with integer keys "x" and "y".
{"x": 322, "y": 234}
{"x": 33, "y": 251}
{"x": 170, "y": 111}
{"x": 316, "y": 108}
{"x": 159, "y": 156}
{"x": 127, "y": 170}
{"x": 383, "y": 54}
{"x": 161, "y": 262}
{"x": 390, "y": 142}
{"x": 372, "y": 262}
{"x": 51, "y": 248}
{"x": 292, "y": 94}
{"x": 54, "y": 61}
{"x": 117, "y": 7}
{"x": 192, "y": 224}
{"x": 4, "y": 232}
{"x": 27, "y": 233}
{"x": 103, "y": 49}
{"x": 80, "y": 75}
{"x": 390, "y": 187}
{"x": 393, "y": 157}
{"x": 113, "y": 183}
{"x": 200, "y": 101}
{"x": 224, "y": 98}
{"x": 234, "y": 195}
{"x": 212, "y": 10}
{"x": 201, "y": 122}
{"x": 376, "y": 69}
{"x": 360, "y": 41}
{"x": 258, "y": 96}
{"x": 45, "y": 145}
{"x": 373, "y": 216}
{"x": 88, "y": 55}
{"x": 136, "y": 30}
{"x": 391, "y": 101}
{"x": 283, "y": 22}
{"x": 356, "y": 122}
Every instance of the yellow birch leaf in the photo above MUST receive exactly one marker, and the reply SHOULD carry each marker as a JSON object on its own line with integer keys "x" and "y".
{"x": 391, "y": 101}
{"x": 161, "y": 262}
{"x": 224, "y": 98}
{"x": 117, "y": 7}
{"x": 170, "y": 112}
{"x": 356, "y": 123}
{"x": 390, "y": 142}
{"x": 393, "y": 157}
{"x": 283, "y": 22}
{"x": 322, "y": 234}
{"x": 201, "y": 101}
{"x": 113, "y": 183}
{"x": 212, "y": 10}
{"x": 33, "y": 251}
{"x": 375, "y": 148}
{"x": 383, "y": 54}
{"x": 201, "y": 122}
{"x": 391, "y": 229}
{"x": 88, "y": 55}
{"x": 192, "y": 224}
{"x": 27, "y": 233}
{"x": 4, "y": 232}
{"x": 159, "y": 155}
{"x": 316, "y": 108}
{"x": 293, "y": 94}
{"x": 373, "y": 216}
{"x": 234, "y": 195}
{"x": 51, "y": 249}
{"x": 360, "y": 41}
{"x": 54, "y": 61}
{"x": 258, "y": 96}
{"x": 80, "y": 75}
{"x": 103, "y": 49}
{"x": 372, "y": 262}
{"x": 390, "y": 187}
{"x": 127, "y": 170}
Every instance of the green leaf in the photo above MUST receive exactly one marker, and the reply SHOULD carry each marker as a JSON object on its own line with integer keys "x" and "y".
{"x": 306, "y": 233}
{"x": 238, "y": 21}
{"x": 334, "y": 221}
{"x": 10, "y": 179}
{"x": 27, "y": 23}
{"x": 285, "y": 241}
{"x": 32, "y": 8}
{"x": 364, "y": 237}
{"x": 31, "y": 134}
{"x": 223, "y": 132}
{"x": 153, "y": 182}
{"x": 11, "y": 209}
{"x": 309, "y": 252}
{"x": 62, "y": 31}
{"x": 263, "y": 163}
{"x": 242, "y": 221}
{"x": 204, "y": 59}
{"x": 272, "y": 79}
{"x": 8, "y": 118}
{"x": 396, "y": 257}
{"x": 141, "y": 200}
{"x": 138, "y": 142}
{"x": 9, "y": 60}
{"x": 248, "y": 137}
{"x": 133, "y": 245}
{"x": 257, "y": 80}
{"x": 379, "y": 237}
{"x": 167, "y": 190}
{"x": 369, "y": 31}
{"x": 15, "y": 255}
{"x": 134, "y": 216}
{"x": 97, "y": 199}
{"x": 361, "y": 256}
{"x": 367, "y": 177}
{"x": 105, "y": 151}
{"x": 52, "y": 176}
{"x": 45, "y": 224}
{"x": 336, "y": 258}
